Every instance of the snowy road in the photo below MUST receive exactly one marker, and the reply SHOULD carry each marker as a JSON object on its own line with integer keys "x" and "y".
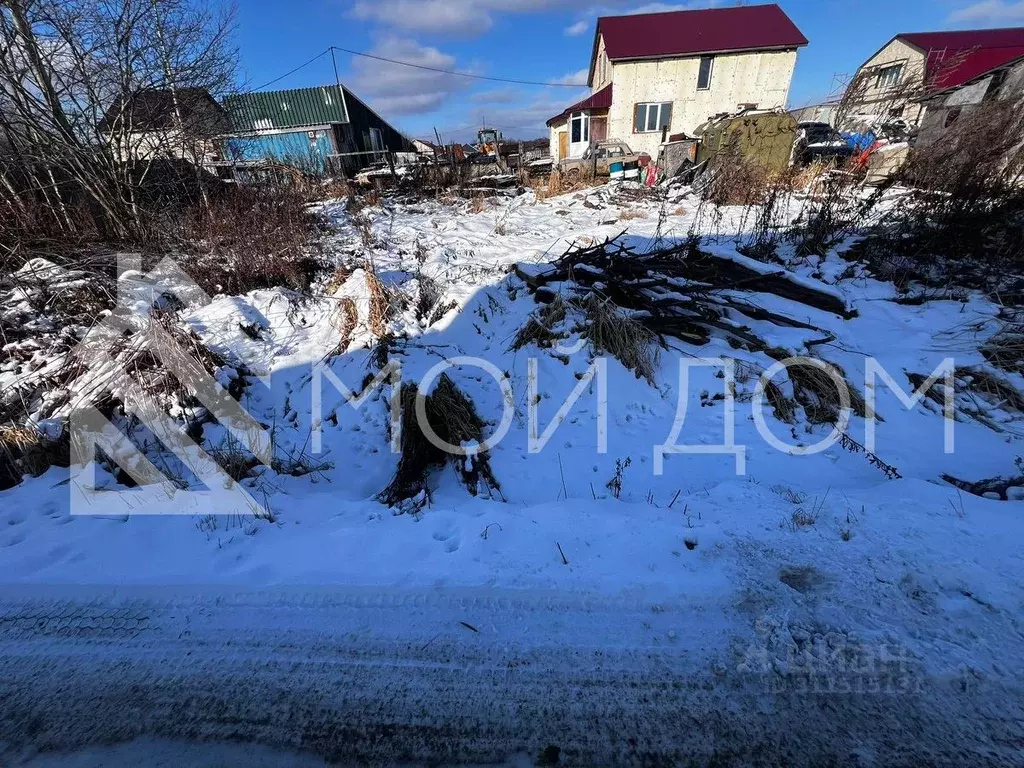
{"x": 471, "y": 675}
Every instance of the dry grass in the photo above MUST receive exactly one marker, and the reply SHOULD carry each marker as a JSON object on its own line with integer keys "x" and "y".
{"x": 561, "y": 183}
{"x": 809, "y": 177}
{"x": 232, "y": 457}
{"x": 539, "y": 329}
{"x": 995, "y": 388}
{"x": 611, "y": 330}
{"x": 818, "y": 391}
{"x": 346, "y": 318}
{"x": 25, "y": 450}
{"x": 1006, "y": 349}
{"x": 631, "y": 215}
{"x": 453, "y": 418}
{"x": 338, "y": 278}
{"x": 803, "y": 518}
{"x": 381, "y": 309}
{"x": 478, "y": 204}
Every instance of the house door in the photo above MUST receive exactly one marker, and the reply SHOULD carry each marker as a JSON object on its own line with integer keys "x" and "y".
{"x": 563, "y": 145}
{"x": 598, "y": 129}
{"x": 579, "y": 133}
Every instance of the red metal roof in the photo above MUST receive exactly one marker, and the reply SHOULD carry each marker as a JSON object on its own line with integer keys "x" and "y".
{"x": 600, "y": 100}
{"x": 956, "y": 57}
{"x": 684, "y": 33}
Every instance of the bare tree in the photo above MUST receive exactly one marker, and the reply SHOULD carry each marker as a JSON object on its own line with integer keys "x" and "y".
{"x": 94, "y": 94}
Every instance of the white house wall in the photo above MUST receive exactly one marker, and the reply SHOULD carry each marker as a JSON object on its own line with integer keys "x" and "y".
{"x": 761, "y": 78}
{"x": 602, "y": 67}
{"x": 872, "y": 100}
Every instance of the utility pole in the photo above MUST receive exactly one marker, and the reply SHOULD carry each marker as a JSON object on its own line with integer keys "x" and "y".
{"x": 341, "y": 93}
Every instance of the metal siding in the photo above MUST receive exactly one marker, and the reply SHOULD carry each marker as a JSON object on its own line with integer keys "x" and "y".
{"x": 295, "y": 108}
{"x": 294, "y": 148}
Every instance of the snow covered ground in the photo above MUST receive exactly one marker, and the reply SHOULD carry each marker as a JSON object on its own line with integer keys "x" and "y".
{"x": 882, "y": 614}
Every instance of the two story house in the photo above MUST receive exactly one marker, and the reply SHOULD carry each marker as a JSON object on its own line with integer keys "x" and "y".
{"x": 657, "y": 74}
{"x": 899, "y": 79}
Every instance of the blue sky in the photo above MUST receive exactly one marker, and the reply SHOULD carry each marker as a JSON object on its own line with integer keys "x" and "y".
{"x": 544, "y": 40}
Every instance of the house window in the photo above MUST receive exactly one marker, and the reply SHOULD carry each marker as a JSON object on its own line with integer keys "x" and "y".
{"x": 376, "y": 140}
{"x": 707, "y": 64}
{"x": 995, "y": 84}
{"x": 648, "y": 118}
{"x": 889, "y": 76}
{"x": 579, "y": 128}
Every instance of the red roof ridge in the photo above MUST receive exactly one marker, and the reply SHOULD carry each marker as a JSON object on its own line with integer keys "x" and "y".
{"x": 696, "y": 31}
{"x": 686, "y": 10}
{"x": 960, "y": 31}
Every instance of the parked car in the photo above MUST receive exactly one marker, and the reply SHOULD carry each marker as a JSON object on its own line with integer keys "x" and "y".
{"x": 820, "y": 142}
{"x": 599, "y": 159}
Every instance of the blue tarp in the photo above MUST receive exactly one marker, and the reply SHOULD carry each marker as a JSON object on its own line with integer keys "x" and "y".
{"x": 860, "y": 141}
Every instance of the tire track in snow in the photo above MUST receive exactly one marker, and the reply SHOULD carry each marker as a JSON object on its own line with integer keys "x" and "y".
{"x": 381, "y": 676}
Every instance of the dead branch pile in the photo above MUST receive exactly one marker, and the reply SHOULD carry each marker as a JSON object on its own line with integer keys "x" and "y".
{"x": 676, "y": 290}
{"x": 454, "y": 420}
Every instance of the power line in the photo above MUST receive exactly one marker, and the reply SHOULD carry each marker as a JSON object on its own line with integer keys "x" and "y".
{"x": 333, "y": 48}
{"x": 454, "y": 72}
{"x": 292, "y": 71}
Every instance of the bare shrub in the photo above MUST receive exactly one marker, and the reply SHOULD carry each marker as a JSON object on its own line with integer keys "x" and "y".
{"x": 833, "y": 213}
{"x": 257, "y": 236}
{"x": 615, "y": 484}
{"x": 75, "y": 160}
{"x": 962, "y": 221}
{"x": 733, "y": 179}
{"x": 769, "y": 217}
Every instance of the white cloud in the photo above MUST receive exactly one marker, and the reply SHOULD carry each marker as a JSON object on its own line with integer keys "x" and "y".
{"x": 579, "y": 77}
{"x": 989, "y": 12}
{"x": 454, "y": 18}
{"x": 393, "y": 89}
{"x": 470, "y": 18}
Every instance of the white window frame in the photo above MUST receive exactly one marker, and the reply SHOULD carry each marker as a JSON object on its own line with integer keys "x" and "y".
{"x": 711, "y": 73}
{"x": 889, "y": 75}
{"x": 584, "y": 118}
{"x": 659, "y": 107}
